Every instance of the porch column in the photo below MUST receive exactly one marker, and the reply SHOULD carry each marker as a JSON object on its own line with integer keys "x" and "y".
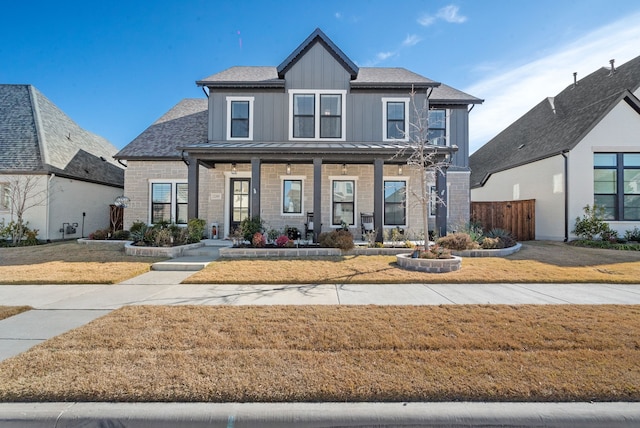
{"x": 441, "y": 202}
{"x": 317, "y": 198}
{"x": 378, "y": 198}
{"x": 255, "y": 186}
{"x": 193, "y": 187}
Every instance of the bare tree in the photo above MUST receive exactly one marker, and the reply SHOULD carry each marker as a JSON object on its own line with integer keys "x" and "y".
{"x": 25, "y": 192}
{"x": 424, "y": 154}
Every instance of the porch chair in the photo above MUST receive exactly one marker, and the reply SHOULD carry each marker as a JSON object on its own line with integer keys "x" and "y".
{"x": 366, "y": 224}
{"x": 308, "y": 227}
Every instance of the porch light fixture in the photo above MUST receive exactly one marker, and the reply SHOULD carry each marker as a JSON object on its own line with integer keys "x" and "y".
{"x": 344, "y": 169}
{"x": 233, "y": 168}
{"x": 400, "y": 169}
{"x": 288, "y": 169}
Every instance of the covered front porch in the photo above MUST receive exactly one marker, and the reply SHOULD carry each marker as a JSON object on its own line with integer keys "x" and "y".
{"x": 262, "y": 164}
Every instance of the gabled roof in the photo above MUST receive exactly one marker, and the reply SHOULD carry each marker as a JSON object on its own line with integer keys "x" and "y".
{"x": 185, "y": 124}
{"x": 557, "y": 124}
{"x": 318, "y": 37}
{"x": 244, "y": 77}
{"x": 37, "y": 137}
{"x": 391, "y": 78}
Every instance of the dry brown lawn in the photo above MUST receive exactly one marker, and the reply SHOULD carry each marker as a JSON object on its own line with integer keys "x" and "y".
{"x": 9, "y": 311}
{"x": 337, "y": 353}
{"x": 70, "y": 263}
{"x": 548, "y": 262}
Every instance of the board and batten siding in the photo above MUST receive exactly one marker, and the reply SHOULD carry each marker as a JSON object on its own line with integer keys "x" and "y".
{"x": 317, "y": 69}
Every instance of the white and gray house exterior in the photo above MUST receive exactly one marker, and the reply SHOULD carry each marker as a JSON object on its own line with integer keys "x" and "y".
{"x": 316, "y": 136}
{"x": 71, "y": 174}
{"x": 580, "y": 147}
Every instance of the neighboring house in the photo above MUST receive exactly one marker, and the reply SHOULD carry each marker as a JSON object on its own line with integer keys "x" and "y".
{"x": 581, "y": 147}
{"x": 73, "y": 173}
{"x": 316, "y": 136}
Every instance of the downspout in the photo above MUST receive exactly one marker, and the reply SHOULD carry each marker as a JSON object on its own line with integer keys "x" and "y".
{"x": 48, "y": 205}
{"x": 566, "y": 195}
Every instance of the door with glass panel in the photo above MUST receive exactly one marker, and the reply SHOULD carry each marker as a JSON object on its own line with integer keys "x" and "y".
{"x": 239, "y": 201}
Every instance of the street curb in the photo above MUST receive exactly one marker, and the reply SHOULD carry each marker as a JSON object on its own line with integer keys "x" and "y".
{"x": 302, "y": 415}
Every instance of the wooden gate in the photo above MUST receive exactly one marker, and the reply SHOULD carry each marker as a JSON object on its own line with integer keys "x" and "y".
{"x": 518, "y": 217}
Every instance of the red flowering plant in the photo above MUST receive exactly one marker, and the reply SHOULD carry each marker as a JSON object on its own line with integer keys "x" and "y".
{"x": 282, "y": 241}
{"x": 259, "y": 240}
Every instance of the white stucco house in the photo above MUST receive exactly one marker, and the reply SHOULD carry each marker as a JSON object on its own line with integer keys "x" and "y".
{"x": 73, "y": 173}
{"x": 581, "y": 147}
{"x": 311, "y": 143}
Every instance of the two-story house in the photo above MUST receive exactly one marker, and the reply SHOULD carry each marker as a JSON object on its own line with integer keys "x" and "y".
{"x": 315, "y": 137}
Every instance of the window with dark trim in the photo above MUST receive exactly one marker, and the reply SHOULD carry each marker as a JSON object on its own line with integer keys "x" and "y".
{"x": 395, "y": 120}
{"x": 304, "y": 115}
{"x": 330, "y": 116}
{"x": 395, "y": 202}
{"x": 239, "y": 119}
{"x": 169, "y": 203}
{"x": 292, "y": 196}
{"x": 5, "y": 196}
{"x": 616, "y": 185}
{"x": 437, "y": 127}
{"x": 343, "y": 199}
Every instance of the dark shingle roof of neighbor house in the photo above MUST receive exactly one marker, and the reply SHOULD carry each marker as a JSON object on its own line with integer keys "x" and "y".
{"x": 37, "y": 137}
{"x": 557, "y": 124}
{"x": 185, "y": 124}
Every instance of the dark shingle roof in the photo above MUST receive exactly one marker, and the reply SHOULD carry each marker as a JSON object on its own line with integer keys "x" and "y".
{"x": 253, "y": 77}
{"x": 37, "y": 137}
{"x": 557, "y": 123}
{"x": 184, "y": 125}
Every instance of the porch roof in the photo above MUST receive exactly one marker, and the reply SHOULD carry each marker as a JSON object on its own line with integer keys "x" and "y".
{"x": 305, "y": 151}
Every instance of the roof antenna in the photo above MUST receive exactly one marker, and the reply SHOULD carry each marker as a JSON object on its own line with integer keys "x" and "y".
{"x": 613, "y": 68}
{"x": 575, "y": 78}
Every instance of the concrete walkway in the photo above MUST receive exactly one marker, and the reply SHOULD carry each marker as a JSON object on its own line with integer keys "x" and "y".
{"x": 60, "y": 308}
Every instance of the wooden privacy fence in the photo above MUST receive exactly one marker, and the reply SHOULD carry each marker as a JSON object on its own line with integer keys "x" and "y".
{"x": 518, "y": 217}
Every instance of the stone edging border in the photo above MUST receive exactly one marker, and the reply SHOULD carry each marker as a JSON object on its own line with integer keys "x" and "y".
{"x": 306, "y": 252}
{"x": 171, "y": 252}
{"x": 502, "y": 252}
{"x": 429, "y": 265}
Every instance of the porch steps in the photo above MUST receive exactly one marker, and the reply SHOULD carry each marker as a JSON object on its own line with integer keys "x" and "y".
{"x": 195, "y": 259}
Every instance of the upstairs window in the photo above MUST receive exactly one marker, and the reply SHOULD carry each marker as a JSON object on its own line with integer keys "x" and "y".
{"x": 317, "y": 115}
{"x": 437, "y": 127}
{"x": 395, "y": 119}
{"x": 240, "y": 118}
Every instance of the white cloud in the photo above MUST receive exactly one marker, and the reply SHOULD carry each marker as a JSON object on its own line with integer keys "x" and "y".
{"x": 512, "y": 92}
{"x": 411, "y": 40}
{"x": 338, "y": 15}
{"x": 450, "y": 14}
{"x": 381, "y": 56}
{"x": 426, "y": 20}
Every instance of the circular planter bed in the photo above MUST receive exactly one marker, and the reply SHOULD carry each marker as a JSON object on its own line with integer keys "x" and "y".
{"x": 429, "y": 265}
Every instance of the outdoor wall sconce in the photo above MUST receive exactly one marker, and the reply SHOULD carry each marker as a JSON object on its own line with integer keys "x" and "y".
{"x": 399, "y": 169}
{"x": 344, "y": 169}
{"x": 288, "y": 169}
{"x": 233, "y": 168}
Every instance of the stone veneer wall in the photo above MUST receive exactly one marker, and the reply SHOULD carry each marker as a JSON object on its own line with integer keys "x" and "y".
{"x": 213, "y": 185}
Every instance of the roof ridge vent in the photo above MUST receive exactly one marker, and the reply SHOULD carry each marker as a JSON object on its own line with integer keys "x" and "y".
{"x": 613, "y": 68}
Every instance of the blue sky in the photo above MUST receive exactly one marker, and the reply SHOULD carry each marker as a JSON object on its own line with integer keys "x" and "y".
{"x": 115, "y": 67}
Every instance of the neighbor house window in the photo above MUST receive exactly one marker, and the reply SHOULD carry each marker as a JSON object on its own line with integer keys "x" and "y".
{"x": 395, "y": 119}
{"x": 395, "y": 198}
{"x": 169, "y": 202}
{"x": 292, "y": 196}
{"x": 240, "y": 118}
{"x": 437, "y": 133}
{"x": 317, "y": 115}
{"x": 5, "y": 201}
{"x": 616, "y": 185}
{"x": 343, "y": 199}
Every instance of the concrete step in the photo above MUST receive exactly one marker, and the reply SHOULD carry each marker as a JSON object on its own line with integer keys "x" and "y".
{"x": 192, "y": 260}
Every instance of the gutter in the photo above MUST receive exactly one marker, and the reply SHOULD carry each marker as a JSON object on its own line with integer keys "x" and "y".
{"x": 566, "y": 195}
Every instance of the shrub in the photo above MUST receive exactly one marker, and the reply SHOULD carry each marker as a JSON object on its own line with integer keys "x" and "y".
{"x": 457, "y": 242}
{"x": 249, "y": 226}
{"x": 632, "y": 235}
{"x": 282, "y": 240}
{"x": 474, "y": 230}
{"x": 138, "y": 232}
{"x": 436, "y": 252}
{"x": 592, "y": 223}
{"x": 258, "y": 240}
{"x": 121, "y": 235}
{"x": 489, "y": 243}
{"x": 163, "y": 238}
{"x": 340, "y": 238}
{"x": 195, "y": 230}
{"x": 99, "y": 234}
{"x": 503, "y": 235}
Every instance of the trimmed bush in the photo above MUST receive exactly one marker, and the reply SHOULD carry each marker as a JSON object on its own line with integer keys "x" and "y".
{"x": 457, "y": 242}
{"x": 340, "y": 238}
